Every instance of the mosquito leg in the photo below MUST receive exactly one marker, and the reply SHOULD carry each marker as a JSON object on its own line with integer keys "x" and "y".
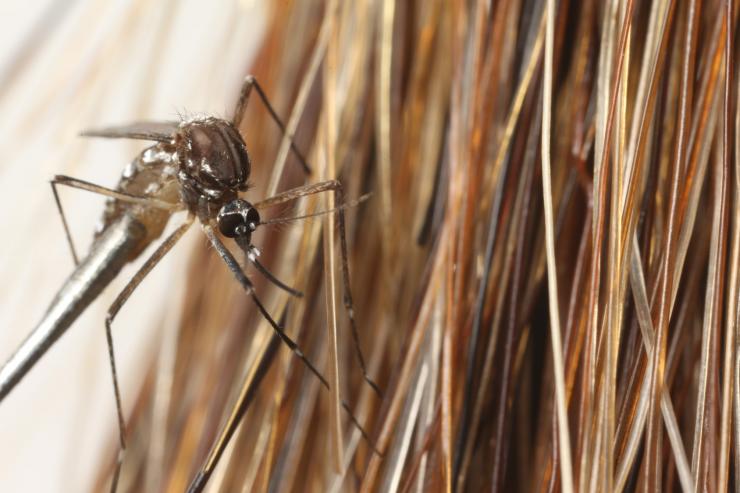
{"x": 109, "y": 192}
{"x": 67, "y": 233}
{"x": 124, "y": 295}
{"x": 349, "y": 305}
{"x": 287, "y": 219}
{"x": 296, "y": 193}
{"x": 233, "y": 266}
{"x": 336, "y": 187}
{"x": 241, "y": 106}
{"x": 91, "y": 187}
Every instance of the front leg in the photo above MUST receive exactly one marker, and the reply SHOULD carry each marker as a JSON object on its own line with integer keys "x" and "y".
{"x": 241, "y": 106}
{"x": 336, "y": 187}
{"x": 71, "y": 182}
{"x": 115, "y": 307}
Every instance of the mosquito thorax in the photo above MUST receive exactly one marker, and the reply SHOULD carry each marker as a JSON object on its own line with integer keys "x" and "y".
{"x": 238, "y": 218}
{"x": 213, "y": 160}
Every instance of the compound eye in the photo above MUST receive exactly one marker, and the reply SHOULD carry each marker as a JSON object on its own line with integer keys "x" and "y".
{"x": 237, "y": 218}
{"x": 253, "y": 218}
{"x": 229, "y": 222}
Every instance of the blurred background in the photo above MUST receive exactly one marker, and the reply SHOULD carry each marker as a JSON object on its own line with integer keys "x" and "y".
{"x": 544, "y": 265}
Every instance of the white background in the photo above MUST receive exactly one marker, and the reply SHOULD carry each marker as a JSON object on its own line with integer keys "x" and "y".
{"x": 91, "y": 63}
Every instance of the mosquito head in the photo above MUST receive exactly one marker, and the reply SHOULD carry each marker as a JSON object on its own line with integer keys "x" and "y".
{"x": 238, "y": 219}
{"x": 213, "y": 157}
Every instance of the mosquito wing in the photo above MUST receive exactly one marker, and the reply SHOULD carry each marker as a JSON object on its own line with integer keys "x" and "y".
{"x": 156, "y": 131}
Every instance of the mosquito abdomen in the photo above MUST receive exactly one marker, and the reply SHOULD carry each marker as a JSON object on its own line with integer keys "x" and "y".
{"x": 109, "y": 253}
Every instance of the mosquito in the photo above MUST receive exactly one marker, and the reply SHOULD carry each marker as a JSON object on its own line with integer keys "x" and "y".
{"x": 200, "y": 166}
